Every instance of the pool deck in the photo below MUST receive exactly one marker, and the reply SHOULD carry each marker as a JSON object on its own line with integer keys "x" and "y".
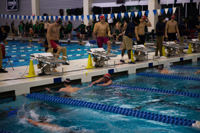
{"x": 76, "y": 70}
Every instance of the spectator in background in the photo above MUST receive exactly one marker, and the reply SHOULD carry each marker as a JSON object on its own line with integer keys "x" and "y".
{"x": 36, "y": 29}
{"x": 198, "y": 27}
{"x": 69, "y": 27}
{"x": 41, "y": 29}
{"x": 89, "y": 31}
{"x": 65, "y": 30}
{"x": 31, "y": 32}
{"x": 21, "y": 30}
{"x": 82, "y": 27}
{"x": 13, "y": 29}
{"x": 27, "y": 29}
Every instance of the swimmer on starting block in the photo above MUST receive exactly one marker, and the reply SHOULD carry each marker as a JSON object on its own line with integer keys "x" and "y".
{"x": 43, "y": 124}
{"x": 163, "y": 70}
{"x": 101, "y": 28}
{"x": 105, "y": 80}
{"x": 67, "y": 89}
{"x": 53, "y": 39}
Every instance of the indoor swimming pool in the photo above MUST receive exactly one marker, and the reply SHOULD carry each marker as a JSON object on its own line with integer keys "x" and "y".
{"x": 86, "y": 120}
{"x": 20, "y": 52}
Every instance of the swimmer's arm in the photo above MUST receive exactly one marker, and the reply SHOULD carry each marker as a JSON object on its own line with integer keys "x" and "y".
{"x": 149, "y": 23}
{"x": 48, "y": 35}
{"x": 48, "y": 89}
{"x": 33, "y": 122}
{"x": 58, "y": 37}
{"x": 108, "y": 29}
{"x": 95, "y": 28}
{"x": 166, "y": 28}
{"x": 136, "y": 31}
{"x": 96, "y": 82}
{"x": 177, "y": 29}
{"x": 106, "y": 84}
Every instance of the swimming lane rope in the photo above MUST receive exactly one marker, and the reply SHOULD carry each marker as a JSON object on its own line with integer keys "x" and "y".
{"x": 168, "y": 76}
{"x": 4, "y": 131}
{"x": 114, "y": 109}
{"x": 185, "y": 67}
{"x": 181, "y": 93}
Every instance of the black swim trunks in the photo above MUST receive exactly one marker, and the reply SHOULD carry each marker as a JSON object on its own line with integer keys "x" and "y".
{"x": 172, "y": 36}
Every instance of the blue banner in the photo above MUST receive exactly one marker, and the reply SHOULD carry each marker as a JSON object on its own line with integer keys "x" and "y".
{"x": 56, "y": 17}
{"x": 7, "y": 16}
{"x": 51, "y": 17}
{"x": 29, "y": 17}
{"x": 47, "y": 17}
{"x": 106, "y": 16}
{"x": 88, "y": 17}
{"x": 42, "y": 17}
{"x": 154, "y": 11}
{"x": 71, "y": 17}
{"x": 15, "y": 16}
{"x": 82, "y": 17}
{"x": 38, "y": 17}
{"x": 170, "y": 10}
{"x": 11, "y": 16}
{"x": 33, "y": 17}
{"x": 162, "y": 10}
{"x": 139, "y": 13}
{"x": 112, "y": 15}
{"x": 132, "y": 14}
{"x": 20, "y": 17}
{"x": 66, "y": 17}
{"x": 93, "y": 17}
{"x": 24, "y": 17}
{"x": 126, "y": 14}
{"x": 61, "y": 17}
{"x": 76, "y": 17}
{"x": 119, "y": 15}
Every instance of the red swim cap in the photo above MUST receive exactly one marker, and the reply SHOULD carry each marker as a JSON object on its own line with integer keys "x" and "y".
{"x": 102, "y": 17}
{"x": 108, "y": 76}
{"x": 173, "y": 17}
{"x": 144, "y": 17}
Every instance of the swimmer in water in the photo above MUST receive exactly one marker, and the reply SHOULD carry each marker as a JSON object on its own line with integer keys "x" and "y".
{"x": 81, "y": 43}
{"x": 67, "y": 89}
{"x": 105, "y": 80}
{"x": 30, "y": 45}
{"x": 198, "y": 72}
{"x": 162, "y": 70}
{"x": 43, "y": 124}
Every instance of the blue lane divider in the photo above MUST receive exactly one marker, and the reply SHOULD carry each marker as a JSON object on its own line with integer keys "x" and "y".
{"x": 114, "y": 109}
{"x": 168, "y": 76}
{"x": 195, "y": 95}
{"x": 4, "y": 131}
{"x": 185, "y": 67}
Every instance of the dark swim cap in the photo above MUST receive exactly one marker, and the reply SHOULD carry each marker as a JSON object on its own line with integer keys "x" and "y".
{"x": 160, "y": 67}
{"x": 59, "y": 21}
{"x": 67, "y": 81}
{"x": 42, "y": 119}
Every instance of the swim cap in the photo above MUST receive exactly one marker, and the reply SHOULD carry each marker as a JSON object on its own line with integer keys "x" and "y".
{"x": 67, "y": 81}
{"x": 108, "y": 76}
{"x": 59, "y": 21}
{"x": 144, "y": 17}
{"x": 102, "y": 17}
{"x": 30, "y": 40}
{"x": 173, "y": 17}
{"x": 42, "y": 119}
{"x": 160, "y": 67}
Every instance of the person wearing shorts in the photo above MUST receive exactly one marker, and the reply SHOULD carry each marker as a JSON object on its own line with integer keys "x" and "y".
{"x": 140, "y": 30}
{"x": 69, "y": 30}
{"x": 53, "y": 39}
{"x": 183, "y": 31}
{"x": 171, "y": 29}
{"x": 128, "y": 42}
{"x": 101, "y": 28}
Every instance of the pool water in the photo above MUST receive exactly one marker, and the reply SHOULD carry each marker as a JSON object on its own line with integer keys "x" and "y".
{"x": 20, "y": 52}
{"x": 87, "y": 120}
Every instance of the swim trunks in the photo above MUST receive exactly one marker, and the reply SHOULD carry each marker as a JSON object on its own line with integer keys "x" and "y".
{"x": 102, "y": 40}
{"x": 54, "y": 44}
